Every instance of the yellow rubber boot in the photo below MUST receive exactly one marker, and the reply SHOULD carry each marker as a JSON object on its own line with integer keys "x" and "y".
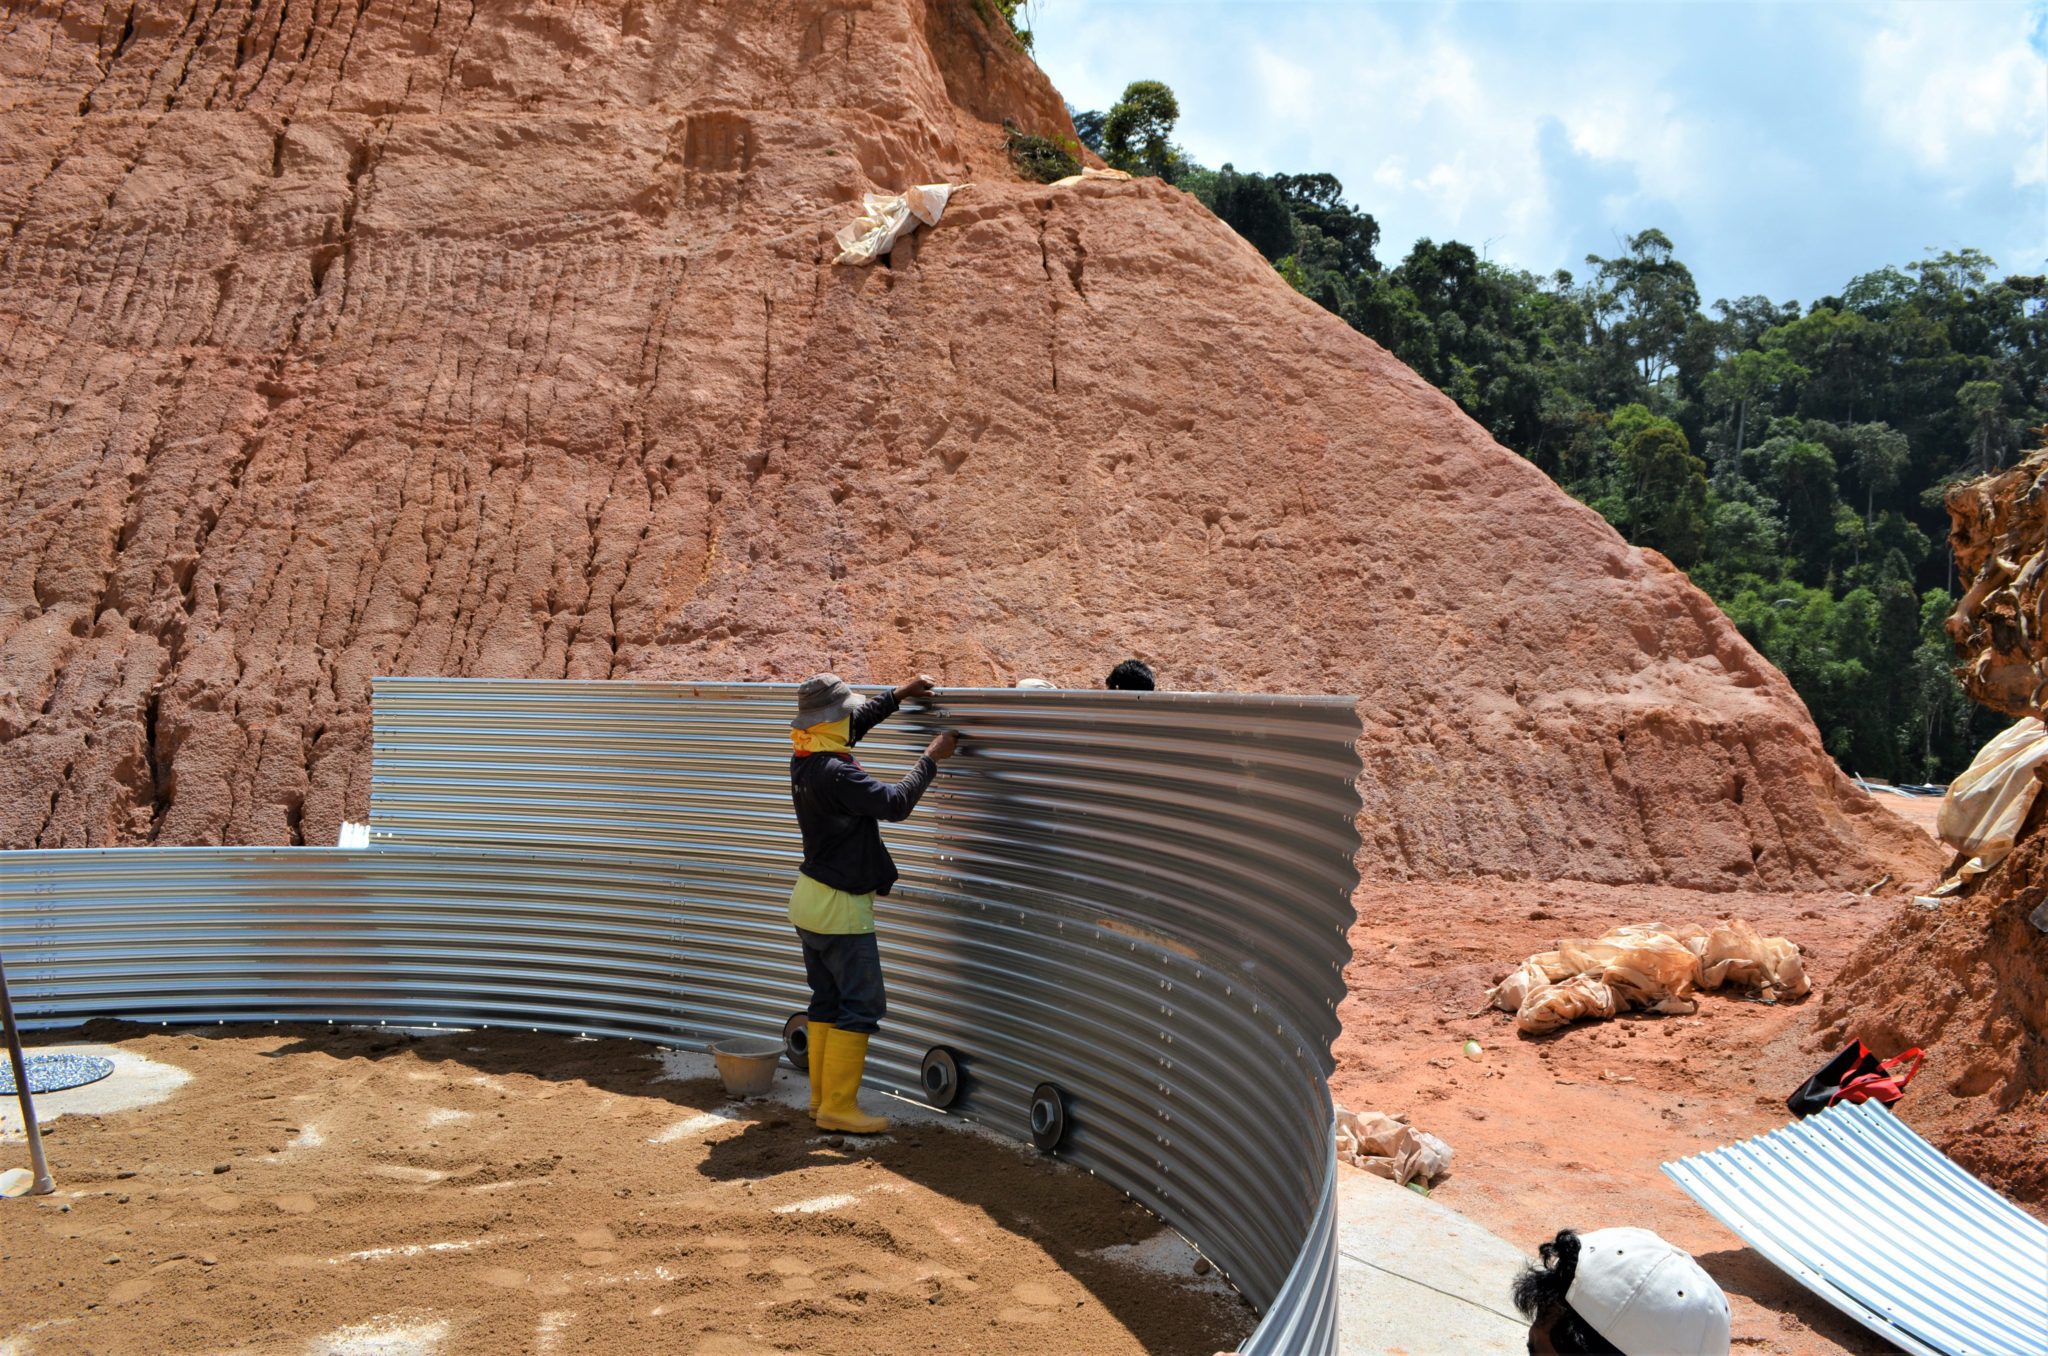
{"x": 846, "y": 1056}
{"x": 815, "y": 1035}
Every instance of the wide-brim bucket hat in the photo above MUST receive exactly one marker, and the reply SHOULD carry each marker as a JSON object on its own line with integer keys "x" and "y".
{"x": 823, "y": 699}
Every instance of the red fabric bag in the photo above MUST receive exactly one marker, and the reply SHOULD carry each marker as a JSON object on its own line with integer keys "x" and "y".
{"x": 1883, "y": 1084}
{"x": 1855, "y": 1075}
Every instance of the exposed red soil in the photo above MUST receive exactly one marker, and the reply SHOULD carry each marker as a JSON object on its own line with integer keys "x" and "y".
{"x": 347, "y": 340}
{"x": 1922, "y": 812}
{"x": 1570, "y": 1130}
{"x": 1967, "y": 981}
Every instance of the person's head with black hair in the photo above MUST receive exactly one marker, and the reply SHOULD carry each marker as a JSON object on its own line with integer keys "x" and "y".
{"x": 1620, "y": 1292}
{"x": 1554, "y": 1326}
{"x": 1133, "y": 675}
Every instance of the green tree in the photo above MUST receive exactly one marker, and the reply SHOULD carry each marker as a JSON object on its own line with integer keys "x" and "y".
{"x": 1626, "y": 423}
{"x": 1667, "y": 493}
{"x": 1753, "y": 377}
{"x": 1316, "y": 201}
{"x": 1797, "y": 629}
{"x": 1742, "y": 539}
{"x": 1801, "y": 475}
{"x": 1981, "y": 407}
{"x": 1088, "y": 126}
{"x": 1253, "y": 206}
{"x": 1879, "y": 455}
{"x": 1911, "y": 378}
{"x": 1842, "y": 352}
{"x": 1745, "y": 321}
{"x": 1879, "y": 293}
{"x": 1137, "y": 135}
{"x": 1943, "y": 717}
{"x": 1645, "y": 302}
{"x": 1954, "y": 272}
{"x": 1316, "y": 269}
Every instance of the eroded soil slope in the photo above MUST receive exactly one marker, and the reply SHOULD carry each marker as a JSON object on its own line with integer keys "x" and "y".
{"x": 1966, "y": 980}
{"x": 502, "y": 339}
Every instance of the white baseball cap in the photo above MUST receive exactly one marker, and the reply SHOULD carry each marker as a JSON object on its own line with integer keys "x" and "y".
{"x": 1647, "y": 1297}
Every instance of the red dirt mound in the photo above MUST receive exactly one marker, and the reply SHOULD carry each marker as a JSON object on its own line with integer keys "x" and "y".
{"x": 1968, "y": 981}
{"x": 504, "y": 340}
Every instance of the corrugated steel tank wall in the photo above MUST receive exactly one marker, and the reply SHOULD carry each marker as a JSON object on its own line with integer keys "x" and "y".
{"x": 1141, "y": 898}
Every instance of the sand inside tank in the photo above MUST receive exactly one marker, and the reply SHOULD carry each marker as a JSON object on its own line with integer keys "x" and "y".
{"x": 335, "y": 1190}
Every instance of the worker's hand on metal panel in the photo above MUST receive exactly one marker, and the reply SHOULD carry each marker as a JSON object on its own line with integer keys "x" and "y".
{"x": 942, "y": 747}
{"x": 918, "y": 689}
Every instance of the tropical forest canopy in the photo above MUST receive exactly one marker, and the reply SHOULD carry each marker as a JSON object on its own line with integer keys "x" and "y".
{"x": 1791, "y": 458}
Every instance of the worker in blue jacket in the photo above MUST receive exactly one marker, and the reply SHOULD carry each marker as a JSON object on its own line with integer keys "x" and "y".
{"x": 839, "y": 809}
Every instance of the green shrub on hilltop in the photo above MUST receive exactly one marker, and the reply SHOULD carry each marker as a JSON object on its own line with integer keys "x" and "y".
{"x": 1041, "y": 159}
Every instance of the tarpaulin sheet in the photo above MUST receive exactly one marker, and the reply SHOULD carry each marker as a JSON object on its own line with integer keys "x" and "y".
{"x": 886, "y": 218}
{"x": 1387, "y": 1146}
{"x": 1986, "y": 807}
{"x": 1645, "y": 965}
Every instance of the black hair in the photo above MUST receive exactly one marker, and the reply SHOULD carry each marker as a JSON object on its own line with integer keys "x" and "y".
{"x": 1541, "y": 1290}
{"x": 1133, "y": 675}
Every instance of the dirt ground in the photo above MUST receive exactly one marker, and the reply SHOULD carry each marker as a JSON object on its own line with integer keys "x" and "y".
{"x": 1569, "y": 1130}
{"x": 321, "y": 1190}
{"x": 1922, "y": 812}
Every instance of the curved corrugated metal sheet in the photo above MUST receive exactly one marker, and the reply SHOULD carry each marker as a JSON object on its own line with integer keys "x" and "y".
{"x": 1143, "y": 898}
{"x": 1873, "y": 1219}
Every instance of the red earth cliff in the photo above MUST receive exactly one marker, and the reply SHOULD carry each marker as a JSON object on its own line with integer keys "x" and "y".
{"x": 504, "y": 339}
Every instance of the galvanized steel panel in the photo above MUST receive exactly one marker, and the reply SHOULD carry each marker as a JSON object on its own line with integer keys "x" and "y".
{"x": 1143, "y": 898}
{"x": 1863, "y": 1212}
{"x": 1180, "y": 817}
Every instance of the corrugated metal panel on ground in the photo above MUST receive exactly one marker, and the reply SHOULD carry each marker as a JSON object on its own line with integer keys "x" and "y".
{"x": 1863, "y": 1212}
{"x": 1143, "y": 898}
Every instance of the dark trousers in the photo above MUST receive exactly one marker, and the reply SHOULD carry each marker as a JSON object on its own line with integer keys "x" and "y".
{"x": 845, "y": 973}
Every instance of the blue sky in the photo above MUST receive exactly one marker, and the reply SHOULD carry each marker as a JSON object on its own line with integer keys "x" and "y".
{"x": 1785, "y": 147}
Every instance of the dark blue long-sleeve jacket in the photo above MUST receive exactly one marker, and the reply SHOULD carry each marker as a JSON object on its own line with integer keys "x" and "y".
{"x": 840, "y": 809}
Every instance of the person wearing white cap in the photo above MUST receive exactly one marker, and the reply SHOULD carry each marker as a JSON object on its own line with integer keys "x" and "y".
{"x": 1620, "y": 1292}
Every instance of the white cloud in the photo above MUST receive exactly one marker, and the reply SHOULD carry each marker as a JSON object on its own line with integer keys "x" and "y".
{"x": 1288, "y": 87}
{"x": 1439, "y": 128}
{"x": 1954, "y": 84}
{"x": 1783, "y": 147}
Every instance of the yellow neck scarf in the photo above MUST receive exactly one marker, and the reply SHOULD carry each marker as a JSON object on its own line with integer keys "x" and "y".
{"x": 834, "y": 736}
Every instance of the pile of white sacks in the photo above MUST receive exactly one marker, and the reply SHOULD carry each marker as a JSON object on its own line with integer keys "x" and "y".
{"x": 1646, "y": 966}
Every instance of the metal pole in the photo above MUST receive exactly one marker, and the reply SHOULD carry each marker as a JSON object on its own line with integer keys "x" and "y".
{"x": 42, "y": 1186}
